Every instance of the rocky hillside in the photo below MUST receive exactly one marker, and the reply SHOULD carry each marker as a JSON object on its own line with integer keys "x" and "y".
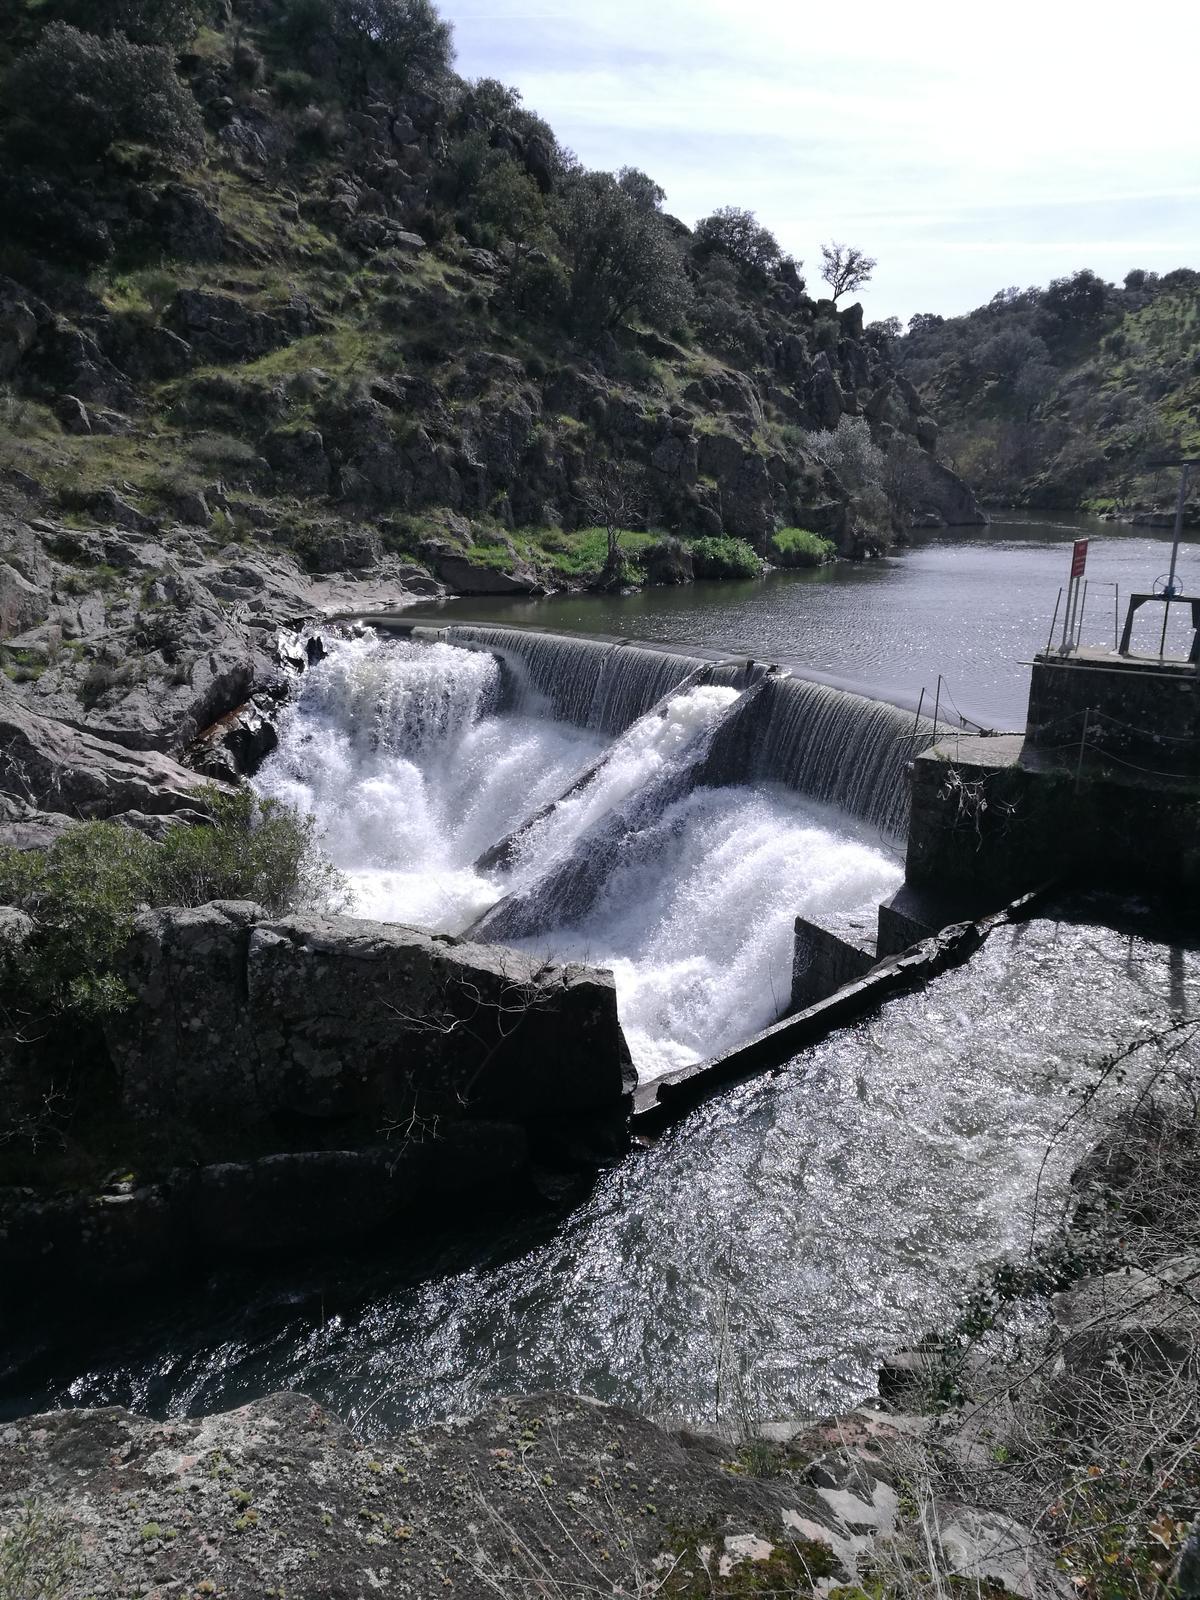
{"x": 1064, "y": 397}
{"x": 290, "y": 282}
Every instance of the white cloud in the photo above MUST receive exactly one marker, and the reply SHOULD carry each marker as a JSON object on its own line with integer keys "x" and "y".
{"x": 966, "y": 146}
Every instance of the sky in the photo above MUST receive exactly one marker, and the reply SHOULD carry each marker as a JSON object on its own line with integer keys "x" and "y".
{"x": 966, "y": 146}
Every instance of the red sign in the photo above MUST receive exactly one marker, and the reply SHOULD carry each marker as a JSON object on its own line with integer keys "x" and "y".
{"x": 1079, "y": 558}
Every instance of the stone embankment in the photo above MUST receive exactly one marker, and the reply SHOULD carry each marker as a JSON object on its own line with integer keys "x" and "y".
{"x": 296, "y": 1081}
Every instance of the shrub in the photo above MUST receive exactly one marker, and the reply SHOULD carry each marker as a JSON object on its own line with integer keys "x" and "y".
{"x": 797, "y": 547}
{"x": 719, "y": 556}
{"x": 740, "y": 236}
{"x": 622, "y": 256}
{"x": 74, "y": 96}
{"x": 407, "y": 39}
{"x": 84, "y": 892}
{"x": 172, "y": 23}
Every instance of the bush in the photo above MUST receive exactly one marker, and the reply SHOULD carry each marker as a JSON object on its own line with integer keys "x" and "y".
{"x": 85, "y": 891}
{"x": 407, "y": 39}
{"x": 74, "y": 96}
{"x": 623, "y": 258}
{"x": 722, "y": 557}
{"x": 172, "y": 23}
{"x": 797, "y": 547}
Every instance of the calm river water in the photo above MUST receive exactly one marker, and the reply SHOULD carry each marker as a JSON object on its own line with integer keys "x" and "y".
{"x": 970, "y": 603}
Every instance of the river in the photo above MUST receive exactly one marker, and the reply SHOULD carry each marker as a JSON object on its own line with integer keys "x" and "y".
{"x": 761, "y": 1257}
{"x": 972, "y": 604}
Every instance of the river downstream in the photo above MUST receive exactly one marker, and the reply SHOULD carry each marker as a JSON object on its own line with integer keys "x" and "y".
{"x": 763, "y": 1256}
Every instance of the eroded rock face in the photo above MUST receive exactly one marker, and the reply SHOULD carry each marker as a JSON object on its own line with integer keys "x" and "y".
{"x": 281, "y": 1494}
{"x": 58, "y": 768}
{"x": 240, "y": 1018}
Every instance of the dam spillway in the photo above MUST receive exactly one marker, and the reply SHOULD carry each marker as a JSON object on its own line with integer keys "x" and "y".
{"x": 665, "y": 815}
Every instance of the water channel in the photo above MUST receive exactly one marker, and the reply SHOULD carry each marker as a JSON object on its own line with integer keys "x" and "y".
{"x": 762, "y": 1256}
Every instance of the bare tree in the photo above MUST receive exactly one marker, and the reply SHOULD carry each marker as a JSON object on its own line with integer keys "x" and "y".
{"x": 845, "y": 269}
{"x": 613, "y": 498}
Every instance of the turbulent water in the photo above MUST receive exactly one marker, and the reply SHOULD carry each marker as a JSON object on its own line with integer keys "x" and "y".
{"x": 415, "y": 757}
{"x": 757, "y": 1261}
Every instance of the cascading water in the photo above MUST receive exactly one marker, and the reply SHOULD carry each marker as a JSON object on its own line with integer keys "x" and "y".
{"x": 590, "y": 682}
{"x": 396, "y": 749}
{"x": 652, "y": 863}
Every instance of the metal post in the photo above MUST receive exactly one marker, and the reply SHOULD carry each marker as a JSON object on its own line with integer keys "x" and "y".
{"x": 1087, "y": 711}
{"x": 1179, "y": 505}
{"x": 938, "y": 701}
{"x": 1116, "y": 614}
{"x": 1054, "y": 619}
{"x": 1162, "y": 642}
{"x": 1062, "y": 649}
{"x": 917, "y": 720}
{"x": 1082, "y": 609}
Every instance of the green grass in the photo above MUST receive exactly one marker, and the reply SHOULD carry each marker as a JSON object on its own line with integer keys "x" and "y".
{"x": 797, "y": 547}
{"x": 723, "y": 557}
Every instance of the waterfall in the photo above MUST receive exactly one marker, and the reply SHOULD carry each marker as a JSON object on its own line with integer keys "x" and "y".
{"x": 596, "y": 684}
{"x": 837, "y": 748}
{"x": 672, "y": 854}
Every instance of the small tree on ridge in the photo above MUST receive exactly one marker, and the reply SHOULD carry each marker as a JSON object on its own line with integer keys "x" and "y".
{"x": 845, "y": 269}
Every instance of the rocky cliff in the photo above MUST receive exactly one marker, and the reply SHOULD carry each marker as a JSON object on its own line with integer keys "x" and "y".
{"x": 348, "y": 318}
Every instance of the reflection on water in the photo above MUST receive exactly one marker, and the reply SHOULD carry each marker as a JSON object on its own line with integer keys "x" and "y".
{"x": 787, "y": 1234}
{"x": 972, "y": 604}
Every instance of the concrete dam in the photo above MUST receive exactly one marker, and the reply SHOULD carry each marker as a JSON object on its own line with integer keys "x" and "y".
{"x": 666, "y": 815}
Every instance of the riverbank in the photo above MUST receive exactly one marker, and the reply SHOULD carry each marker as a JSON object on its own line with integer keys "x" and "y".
{"x": 1041, "y": 1445}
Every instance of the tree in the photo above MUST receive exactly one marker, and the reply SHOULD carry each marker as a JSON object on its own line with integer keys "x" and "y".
{"x": 508, "y": 203}
{"x": 1076, "y": 300}
{"x": 173, "y": 23}
{"x": 408, "y": 40}
{"x": 845, "y": 269}
{"x": 613, "y": 497}
{"x": 641, "y": 188}
{"x": 74, "y": 95}
{"x": 739, "y": 235}
{"x": 859, "y": 465}
{"x": 621, "y": 256}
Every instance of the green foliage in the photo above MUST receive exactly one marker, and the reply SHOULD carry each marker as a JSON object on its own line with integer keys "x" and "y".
{"x": 507, "y": 203}
{"x": 797, "y": 547}
{"x": 173, "y": 23}
{"x": 622, "y": 257}
{"x": 738, "y": 235}
{"x": 38, "y": 1554}
{"x": 406, "y": 39}
{"x": 719, "y": 556}
{"x": 74, "y": 96}
{"x": 85, "y": 891}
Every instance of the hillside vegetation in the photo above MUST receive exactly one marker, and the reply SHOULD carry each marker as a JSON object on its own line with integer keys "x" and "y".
{"x": 271, "y": 269}
{"x": 1066, "y": 397}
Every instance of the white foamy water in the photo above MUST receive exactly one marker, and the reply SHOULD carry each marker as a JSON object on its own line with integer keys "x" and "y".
{"x": 697, "y": 919}
{"x": 400, "y": 752}
{"x": 397, "y": 751}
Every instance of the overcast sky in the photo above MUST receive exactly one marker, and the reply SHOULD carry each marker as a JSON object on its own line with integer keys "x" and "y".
{"x": 967, "y": 146}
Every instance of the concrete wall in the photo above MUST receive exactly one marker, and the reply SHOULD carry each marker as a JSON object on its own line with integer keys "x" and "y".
{"x": 1143, "y": 712}
{"x": 992, "y": 818}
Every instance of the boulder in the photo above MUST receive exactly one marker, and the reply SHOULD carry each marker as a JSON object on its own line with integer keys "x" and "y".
{"x": 58, "y": 768}
{"x": 298, "y": 457}
{"x": 239, "y": 1019}
{"x": 220, "y": 327}
{"x": 22, "y": 604}
{"x": 464, "y": 577}
{"x": 188, "y": 226}
{"x": 18, "y": 328}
